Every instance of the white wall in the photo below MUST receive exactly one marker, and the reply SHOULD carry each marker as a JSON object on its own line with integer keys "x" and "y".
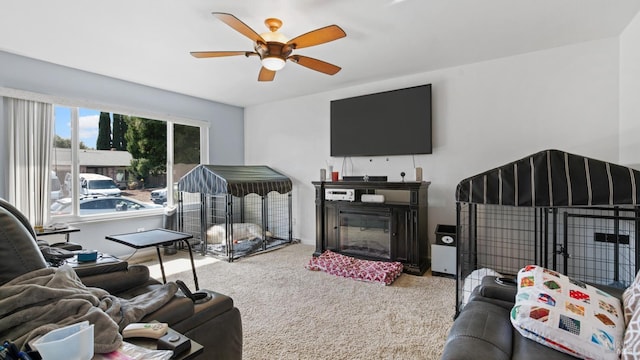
{"x": 484, "y": 115}
{"x": 629, "y": 90}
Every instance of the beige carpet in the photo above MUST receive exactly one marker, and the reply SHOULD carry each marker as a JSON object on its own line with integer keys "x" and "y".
{"x": 289, "y": 312}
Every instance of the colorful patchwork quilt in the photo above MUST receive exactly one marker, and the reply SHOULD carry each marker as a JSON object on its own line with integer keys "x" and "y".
{"x": 568, "y": 315}
{"x": 349, "y": 267}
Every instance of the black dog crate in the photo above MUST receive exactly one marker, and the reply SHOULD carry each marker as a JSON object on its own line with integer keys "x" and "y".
{"x": 572, "y": 214}
{"x": 235, "y": 211}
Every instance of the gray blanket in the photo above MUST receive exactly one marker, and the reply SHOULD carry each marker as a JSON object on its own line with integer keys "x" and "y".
{"x": 46, "y": 299}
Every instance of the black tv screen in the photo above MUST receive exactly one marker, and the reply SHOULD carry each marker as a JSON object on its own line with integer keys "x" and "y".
{"x": 396, "y": 122}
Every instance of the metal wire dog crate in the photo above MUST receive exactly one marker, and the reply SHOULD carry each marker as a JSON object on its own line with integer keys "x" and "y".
{"x": 572, "y": 214}
{"x": 235, "y": 211}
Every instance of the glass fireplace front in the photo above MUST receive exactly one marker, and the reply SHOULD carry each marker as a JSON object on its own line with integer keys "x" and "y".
{"x": 365, "y": 233}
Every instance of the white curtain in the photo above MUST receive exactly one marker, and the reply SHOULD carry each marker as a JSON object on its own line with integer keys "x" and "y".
{"x": 30, "y": 132}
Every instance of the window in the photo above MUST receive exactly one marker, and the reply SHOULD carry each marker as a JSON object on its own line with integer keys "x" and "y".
{"x": 186, "y": 152}
{"x": 110, "y": 163}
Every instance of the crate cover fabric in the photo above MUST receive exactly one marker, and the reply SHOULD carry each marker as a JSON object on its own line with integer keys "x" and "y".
{"x": 235, "y": 180}
{"x": 553, "y": 178}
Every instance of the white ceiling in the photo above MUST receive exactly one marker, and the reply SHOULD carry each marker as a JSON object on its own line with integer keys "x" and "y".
{"x": 148, "y": 41}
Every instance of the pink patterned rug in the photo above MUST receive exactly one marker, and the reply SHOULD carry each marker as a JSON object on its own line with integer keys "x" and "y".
{"x": 365, "y": 270}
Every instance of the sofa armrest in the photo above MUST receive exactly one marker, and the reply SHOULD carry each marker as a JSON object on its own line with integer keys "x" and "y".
{"x": 483, "y": 330}
{"x": 102, "y": 265}
{"x": 495, "y": 290}
{"x": 118, "y": 281}
{"x": 504, "y": 290}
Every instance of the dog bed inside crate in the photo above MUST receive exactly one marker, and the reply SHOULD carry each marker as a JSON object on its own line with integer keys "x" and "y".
{"x": 247, "y": 238}
{"x": 241, "y": 232}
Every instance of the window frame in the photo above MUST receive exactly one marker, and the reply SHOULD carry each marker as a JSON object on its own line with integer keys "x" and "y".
{"x": 75, "y": 105}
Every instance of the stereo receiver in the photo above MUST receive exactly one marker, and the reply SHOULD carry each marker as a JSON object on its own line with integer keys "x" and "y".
{"x": 340, "y": 194}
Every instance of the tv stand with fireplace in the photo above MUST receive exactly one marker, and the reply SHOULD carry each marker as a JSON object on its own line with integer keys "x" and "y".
{"x": 393, "y": 230}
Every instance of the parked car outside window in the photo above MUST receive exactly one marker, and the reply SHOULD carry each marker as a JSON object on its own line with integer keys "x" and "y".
{"x": 100, "y": 205}
{"x": 159, "y": 196}
{"x": 98, "y": 184}
{"x": 91, "y": 184}
{"x": 56, "y": 187}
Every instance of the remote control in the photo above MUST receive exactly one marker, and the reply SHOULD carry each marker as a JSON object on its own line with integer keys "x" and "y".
{"x": 174, "y": 341}
{"x": 145, "y": 330}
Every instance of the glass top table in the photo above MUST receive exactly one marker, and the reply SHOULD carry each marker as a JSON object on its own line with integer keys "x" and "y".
{"x": 157, "y": 238}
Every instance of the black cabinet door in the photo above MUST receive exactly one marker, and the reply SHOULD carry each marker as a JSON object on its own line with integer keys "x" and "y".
{"x": 331, "y": 226}
{"x": 401, "y": 241}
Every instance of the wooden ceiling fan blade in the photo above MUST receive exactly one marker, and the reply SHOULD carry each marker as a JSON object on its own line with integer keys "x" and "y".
{"x": 317, "y": 37}
{"x": 239, "y": 26}
{"x": 210, "y": 54}
{"x": 315, "y": 64}
{"x": 266, "y": 74}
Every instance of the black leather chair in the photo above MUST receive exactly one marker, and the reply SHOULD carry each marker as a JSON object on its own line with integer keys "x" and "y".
{"x": 215, "y": 323}
{"x": 483, "y": 329}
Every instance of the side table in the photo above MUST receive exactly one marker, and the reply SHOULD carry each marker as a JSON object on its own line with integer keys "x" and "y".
{"x": 196, "y": 348}
{"x": 157, "y": 237}
{"x": 151, "y": 344}
{"x": 63, "y": 231}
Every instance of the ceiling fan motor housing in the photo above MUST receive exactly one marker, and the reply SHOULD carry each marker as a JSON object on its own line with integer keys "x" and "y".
{"x": 273, "y": 49}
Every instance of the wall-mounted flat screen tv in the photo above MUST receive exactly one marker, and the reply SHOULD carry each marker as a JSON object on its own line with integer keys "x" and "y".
{"x": 396, "y": 122}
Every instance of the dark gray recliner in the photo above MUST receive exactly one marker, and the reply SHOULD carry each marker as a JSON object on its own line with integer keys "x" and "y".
{"x": 216, "y": 323}
{"x": 483, "y": 329}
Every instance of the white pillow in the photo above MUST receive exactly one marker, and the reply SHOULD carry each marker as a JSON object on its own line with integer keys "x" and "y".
{"x": 567, "y": 315}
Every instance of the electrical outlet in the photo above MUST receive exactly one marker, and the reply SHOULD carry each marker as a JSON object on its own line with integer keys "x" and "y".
{"x": 140, "y": 229}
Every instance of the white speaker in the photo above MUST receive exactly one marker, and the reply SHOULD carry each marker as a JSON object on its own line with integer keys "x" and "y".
{"x": 418, "y": 172}
{"x": 371, "y": 198}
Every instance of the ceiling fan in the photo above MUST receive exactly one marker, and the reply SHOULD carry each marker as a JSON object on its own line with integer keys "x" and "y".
{"x": 274, "y": 49}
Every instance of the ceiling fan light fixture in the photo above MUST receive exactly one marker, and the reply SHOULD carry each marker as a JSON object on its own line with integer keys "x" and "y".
{"x": 273, "y": 63}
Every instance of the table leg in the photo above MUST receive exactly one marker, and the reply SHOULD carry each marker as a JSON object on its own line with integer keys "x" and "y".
{"x": 193, "y": 265}
{"x": 164, "y": 278}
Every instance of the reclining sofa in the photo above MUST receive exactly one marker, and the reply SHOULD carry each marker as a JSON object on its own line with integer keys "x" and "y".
{"x": 214, "y": 323}
{"x": 483, "y": 329}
